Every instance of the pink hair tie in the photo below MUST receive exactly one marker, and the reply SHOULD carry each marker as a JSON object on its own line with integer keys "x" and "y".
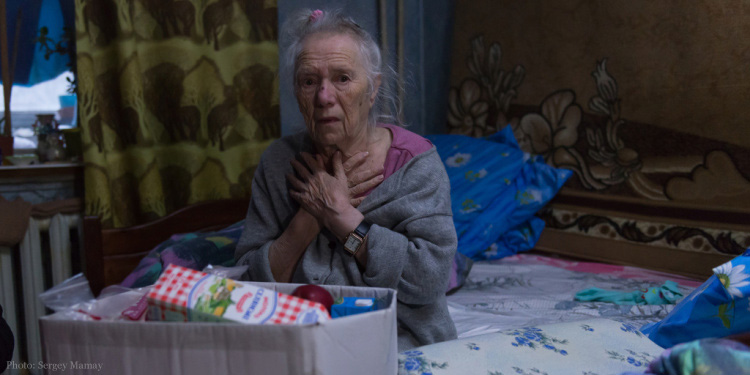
{"x": 315, "y": 15}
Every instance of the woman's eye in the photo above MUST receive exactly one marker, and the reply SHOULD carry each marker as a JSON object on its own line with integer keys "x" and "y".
{"x": 309, "y": 82}
{"x": 344, "y": 79}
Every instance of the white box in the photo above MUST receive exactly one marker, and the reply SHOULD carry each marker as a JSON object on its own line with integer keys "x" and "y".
{"x": 358, "y": 344}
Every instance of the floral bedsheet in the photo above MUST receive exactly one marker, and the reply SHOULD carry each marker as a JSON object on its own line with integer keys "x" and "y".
{"x": 518, "y": 315}
{"x": 589, "y": 347}
{"x": 530, "y": 290}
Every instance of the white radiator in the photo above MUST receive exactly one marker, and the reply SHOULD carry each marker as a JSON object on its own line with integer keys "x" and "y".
{"x": 57, "y": 230}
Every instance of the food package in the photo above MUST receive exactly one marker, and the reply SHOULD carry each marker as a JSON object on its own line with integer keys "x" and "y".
{"x": 182, "y": 294}
{"x": 346, "y": 306}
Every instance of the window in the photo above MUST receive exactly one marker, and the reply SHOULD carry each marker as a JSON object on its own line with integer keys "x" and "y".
{"x": 46, "y": 97}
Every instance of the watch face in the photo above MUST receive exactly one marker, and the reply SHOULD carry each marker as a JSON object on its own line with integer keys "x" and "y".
{"x": 352, "y": 243}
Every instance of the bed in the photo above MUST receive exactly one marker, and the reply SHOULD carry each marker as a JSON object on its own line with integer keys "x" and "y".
{"x": 533, "y": 289}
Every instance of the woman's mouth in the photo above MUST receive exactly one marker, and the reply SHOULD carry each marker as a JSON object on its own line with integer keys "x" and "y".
{"x": 326, "y": 120}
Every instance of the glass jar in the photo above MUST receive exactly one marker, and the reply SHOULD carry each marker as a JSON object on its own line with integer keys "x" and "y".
{"x": 50, "y": 146}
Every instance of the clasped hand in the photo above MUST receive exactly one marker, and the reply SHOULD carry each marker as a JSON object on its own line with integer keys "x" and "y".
{"x": 325, "y": 195}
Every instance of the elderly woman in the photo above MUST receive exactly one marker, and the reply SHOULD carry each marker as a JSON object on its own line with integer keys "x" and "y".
{"x": 351, "y": 201}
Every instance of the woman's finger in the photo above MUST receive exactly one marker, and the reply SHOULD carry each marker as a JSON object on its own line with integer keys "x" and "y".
{"x": 362, "y": 176}
{"x": 338, "y": 167}
{"x": 355, "y": 161}
{"x": 365, "y": 186}
{"x": 295, "y": 182}
{"x": 312, "y": 163}
{"x": 321, "y": 161}
{"x": 301, "y": 170}
{"x": 357, "y": 201}
{"x": 296, "y": 196}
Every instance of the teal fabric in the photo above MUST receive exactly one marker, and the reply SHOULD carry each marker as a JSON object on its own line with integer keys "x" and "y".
{"x": 666, "y": 294}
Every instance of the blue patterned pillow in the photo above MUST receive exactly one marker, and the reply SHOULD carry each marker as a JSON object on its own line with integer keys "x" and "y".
{"x": 516, "y": 240}
{"x": 495, "y": 187}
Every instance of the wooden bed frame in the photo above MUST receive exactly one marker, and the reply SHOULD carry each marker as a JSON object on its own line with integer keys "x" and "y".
{"x": 111, "y": 254}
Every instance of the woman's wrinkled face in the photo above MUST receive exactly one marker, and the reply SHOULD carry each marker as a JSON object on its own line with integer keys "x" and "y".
{"x": 332, "y": 89}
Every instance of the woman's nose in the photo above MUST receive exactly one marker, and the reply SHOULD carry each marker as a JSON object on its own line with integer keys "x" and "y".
{"x": 324, "y": 96}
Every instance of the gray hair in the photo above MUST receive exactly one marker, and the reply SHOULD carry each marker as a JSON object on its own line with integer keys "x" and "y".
{"x": 387, "y": 106}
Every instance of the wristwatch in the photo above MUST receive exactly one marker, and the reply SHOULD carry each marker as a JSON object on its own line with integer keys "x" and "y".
{"x": 356, "y": 238}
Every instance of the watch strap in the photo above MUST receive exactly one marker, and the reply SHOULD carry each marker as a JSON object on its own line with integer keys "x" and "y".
{"x": 359, "y": 234}
{"x": 363, "y": 228}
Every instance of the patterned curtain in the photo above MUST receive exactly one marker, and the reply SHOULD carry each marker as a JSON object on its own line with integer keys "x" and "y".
{"x": 177, "y": 101}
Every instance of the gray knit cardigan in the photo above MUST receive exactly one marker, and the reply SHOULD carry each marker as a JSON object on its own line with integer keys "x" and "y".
{"x": 410, "y": 245}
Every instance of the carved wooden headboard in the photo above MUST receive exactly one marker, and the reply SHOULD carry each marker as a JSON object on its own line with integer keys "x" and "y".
{"x": 649, "y": 115}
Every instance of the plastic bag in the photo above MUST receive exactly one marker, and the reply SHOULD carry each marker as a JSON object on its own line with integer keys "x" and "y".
{"x": 127, "y": 305}
{"x": 235, "y": 272}
{"x": 70, "y": 292}
{"x": 718, "y": 308}
{"x": 72, "y": 300}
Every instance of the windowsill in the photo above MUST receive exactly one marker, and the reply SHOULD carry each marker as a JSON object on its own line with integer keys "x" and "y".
{"x": 41, "y": 170}
{"x": 37, "y": 183}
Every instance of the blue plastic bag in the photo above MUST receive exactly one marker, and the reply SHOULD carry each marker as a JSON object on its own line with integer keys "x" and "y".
{"x": 718, "y": 308}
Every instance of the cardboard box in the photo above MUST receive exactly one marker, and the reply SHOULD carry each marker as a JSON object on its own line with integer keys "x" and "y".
{"x": 359, "y": 344}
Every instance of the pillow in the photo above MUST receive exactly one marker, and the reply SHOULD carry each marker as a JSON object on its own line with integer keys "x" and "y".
{"x": 494, "y": 186}
{"x": 505, "y": 136}
{"x": 516, "y": 240}
{"x": 717, "y": 308}
{"x": 479, "y": 170}
{"x": 595, "y": 346}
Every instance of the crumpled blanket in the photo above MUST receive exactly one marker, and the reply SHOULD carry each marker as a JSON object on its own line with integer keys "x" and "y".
{"x": 666, "y": 294}
{"x": 190, "y": 250}
{"x": 702, "y": 357}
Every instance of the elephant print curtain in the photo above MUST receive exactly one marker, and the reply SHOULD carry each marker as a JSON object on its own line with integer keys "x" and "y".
{"x": 177, "y": 101}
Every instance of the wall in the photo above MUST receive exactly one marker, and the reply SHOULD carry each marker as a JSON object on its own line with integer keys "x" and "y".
{"x": 645, "y": 101}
